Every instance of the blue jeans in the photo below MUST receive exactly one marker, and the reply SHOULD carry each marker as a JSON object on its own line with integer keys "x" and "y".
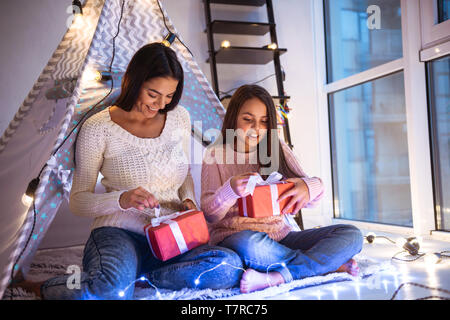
{"x": 300, "y": 254}
{"x": 114, "y": 258}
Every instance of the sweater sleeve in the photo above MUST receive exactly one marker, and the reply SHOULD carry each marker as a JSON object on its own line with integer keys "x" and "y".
{"x": 216, "y": 198}
{"x": 187, "y": 190}
{"x": 90, "y": 146}
{"x": 314, "y": 184}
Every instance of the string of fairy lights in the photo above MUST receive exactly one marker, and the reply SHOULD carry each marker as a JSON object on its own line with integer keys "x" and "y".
{"x": 410, "y": 246}
{"x": 410, "y": 250}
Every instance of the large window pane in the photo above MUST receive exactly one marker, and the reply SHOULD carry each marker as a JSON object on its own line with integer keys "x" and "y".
{"x": 439, "y": 86}
{"x": 356, "y": 40}
{"x": 369, "y": 152}
{"x": 443, "y": 10}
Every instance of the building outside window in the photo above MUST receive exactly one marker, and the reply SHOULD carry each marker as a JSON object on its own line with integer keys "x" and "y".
{"x": 386, "y": 92}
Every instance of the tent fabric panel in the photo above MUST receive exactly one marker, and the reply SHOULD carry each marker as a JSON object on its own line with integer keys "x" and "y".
{"x": 72, "y": 59}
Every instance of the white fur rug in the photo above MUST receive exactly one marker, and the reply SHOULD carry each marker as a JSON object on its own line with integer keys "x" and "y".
{"x": 52, "y": 262}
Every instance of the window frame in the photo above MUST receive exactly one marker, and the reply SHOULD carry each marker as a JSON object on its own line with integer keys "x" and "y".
{"x": 427, "y": 59}
{"x": 432, "y": 32}
{"x": 416, "y": 100}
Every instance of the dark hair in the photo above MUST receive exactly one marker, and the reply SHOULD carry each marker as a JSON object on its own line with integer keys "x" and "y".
{"x": 241, "y": 95}
{"x": 151, "y": 61}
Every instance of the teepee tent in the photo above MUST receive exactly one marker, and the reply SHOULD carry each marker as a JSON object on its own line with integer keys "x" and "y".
{"x": 39, "y": 141}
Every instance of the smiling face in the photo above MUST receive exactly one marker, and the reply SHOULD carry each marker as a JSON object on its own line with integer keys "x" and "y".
{"x": 154, "y": 95}
{"x": 253, "y": 122}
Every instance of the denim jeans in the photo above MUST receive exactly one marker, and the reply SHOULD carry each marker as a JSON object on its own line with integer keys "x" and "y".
{"x": 114, "y": 258}
{"x": 300, "y": 254}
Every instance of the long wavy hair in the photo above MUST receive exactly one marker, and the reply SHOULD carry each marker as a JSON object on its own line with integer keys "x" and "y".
{"x": 151, "y": 61}
{"x": 243, "y": 94}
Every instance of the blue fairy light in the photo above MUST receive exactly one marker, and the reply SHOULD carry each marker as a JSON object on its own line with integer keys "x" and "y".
{"x": 223, "y": 263}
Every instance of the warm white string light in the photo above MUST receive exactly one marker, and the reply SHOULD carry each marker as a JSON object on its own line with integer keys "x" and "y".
{"x": 410, "y": 245}
{"x": 385, "y": 285}
{"x": 197, "y": 280}
{"x": 357, "y": 284}
{"x": 142, "y": 278}
{"x": 225, "y": 44}
{"x": 121, "y": 293}
{"x": 335, "y": 289}
{"x": 223, "y": 263}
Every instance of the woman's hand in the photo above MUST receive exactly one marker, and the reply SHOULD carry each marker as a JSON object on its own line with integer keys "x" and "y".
{"x": 239, "y": 183}
{"x": 299, "y": 193}
{"x": 138, "y": 198}
{"x": 188, "y": 204}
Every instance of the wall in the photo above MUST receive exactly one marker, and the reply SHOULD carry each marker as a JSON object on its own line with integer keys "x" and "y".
{"x": 31, "y": 30}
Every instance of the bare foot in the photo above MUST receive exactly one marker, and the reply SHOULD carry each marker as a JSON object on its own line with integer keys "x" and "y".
{"x": 253, "y": 280}
{"x": 350, "y": 267}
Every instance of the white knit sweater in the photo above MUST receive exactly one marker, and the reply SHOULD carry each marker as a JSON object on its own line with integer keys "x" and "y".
{"x": 160, "y": 165}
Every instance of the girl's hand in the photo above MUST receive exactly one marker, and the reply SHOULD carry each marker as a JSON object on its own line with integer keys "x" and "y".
{"x": 189, "y": 204}
{"x": 299, "y": 193}
{"x": 138, "y": 198}
{"x": 239, "y": 182}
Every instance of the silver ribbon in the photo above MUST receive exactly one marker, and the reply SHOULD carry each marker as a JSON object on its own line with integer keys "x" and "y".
{"x": 257, "y": 180}
{"x": 272, "y": 180}
{"x": 62, "y": 174}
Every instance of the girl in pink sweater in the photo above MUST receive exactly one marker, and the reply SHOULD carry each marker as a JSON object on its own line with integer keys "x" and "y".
{"x": 273, "y": 249}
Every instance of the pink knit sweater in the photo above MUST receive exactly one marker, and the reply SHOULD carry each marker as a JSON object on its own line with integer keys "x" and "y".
{"x": 219, "y": 202}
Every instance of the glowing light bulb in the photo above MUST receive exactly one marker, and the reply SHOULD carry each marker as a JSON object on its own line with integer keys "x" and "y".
{"x": 27, "y": 200}
{"x": 142, "y": 278}
{"x": 28, "y": 196}
{"x": 197, "y": 281}
{"x": 283, "y": 265}
{"x": 225, "y": 44}
{"x": 121, "y": 294}
{"x": 335, "y": 290}
{"x": 78, "y": 21}
{"x": 318, "y": 294}
{"x": 272, "y": 46}
{"x": 91, "y": 75}
{"x": 385, "y": 284}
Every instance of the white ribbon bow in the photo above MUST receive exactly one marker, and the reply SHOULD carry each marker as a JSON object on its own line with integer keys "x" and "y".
{"x": 62, "y": 174}
{"x": 158, "y": 220}
{"x": 257, "y": 180}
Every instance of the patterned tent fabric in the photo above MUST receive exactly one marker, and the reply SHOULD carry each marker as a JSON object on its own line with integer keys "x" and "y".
{"x": 56, "y": 107}
{"x": 71, "y": 61}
